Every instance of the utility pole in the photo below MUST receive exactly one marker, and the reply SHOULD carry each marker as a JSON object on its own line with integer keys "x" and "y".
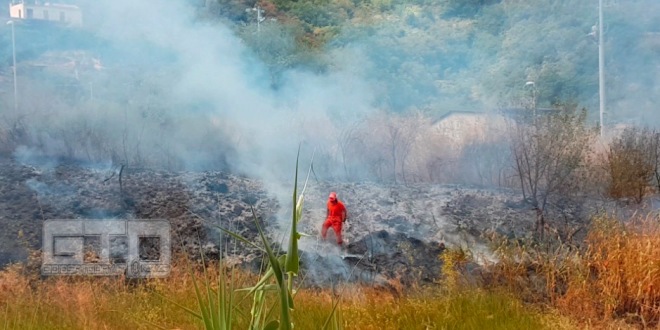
{"x": 259, "y": 11}
{"x": 13, "y": 50}
{"x": 260, "y": 18}
{"x": 601, "y": 68}
{"x": 533, "y": 84}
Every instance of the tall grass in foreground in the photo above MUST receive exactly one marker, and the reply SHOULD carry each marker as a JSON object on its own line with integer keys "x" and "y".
{"x": 615, "y": 277}
{"x": 112, "y": 303}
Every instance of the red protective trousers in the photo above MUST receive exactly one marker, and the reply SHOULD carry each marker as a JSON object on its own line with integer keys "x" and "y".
{"x": 336, "y": 226}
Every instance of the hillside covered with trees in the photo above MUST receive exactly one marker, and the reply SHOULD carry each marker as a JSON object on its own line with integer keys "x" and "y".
{"x": 136, "y": 78}
{"x": 442, "y": 55}
{"x": 454, "y": 54}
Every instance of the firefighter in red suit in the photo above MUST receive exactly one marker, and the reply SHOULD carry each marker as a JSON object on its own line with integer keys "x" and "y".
{"x": 336, "y": 215}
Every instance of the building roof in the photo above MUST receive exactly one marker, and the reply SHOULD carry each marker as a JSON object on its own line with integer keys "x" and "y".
{"x": 61, "y": 5}
{"x": 513, "y": 113}
{"x": 456, "y": 112}
{"x": 48, "y": 4}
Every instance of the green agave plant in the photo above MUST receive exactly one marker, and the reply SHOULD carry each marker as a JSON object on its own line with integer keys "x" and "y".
{"x": 216, "y": 307}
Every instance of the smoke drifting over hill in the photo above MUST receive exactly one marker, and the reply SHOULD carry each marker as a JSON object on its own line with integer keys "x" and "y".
{"x": 172, "y": 92}
{"x": 213, "y": 77}
{"x": 154, "y": 84}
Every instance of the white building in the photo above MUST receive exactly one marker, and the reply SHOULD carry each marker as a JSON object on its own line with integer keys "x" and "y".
{"x": 461, "y": 128}
{"x": 46, "y": 11}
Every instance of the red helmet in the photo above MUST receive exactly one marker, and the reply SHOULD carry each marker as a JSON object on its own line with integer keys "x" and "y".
{"x": 333, "y": 196}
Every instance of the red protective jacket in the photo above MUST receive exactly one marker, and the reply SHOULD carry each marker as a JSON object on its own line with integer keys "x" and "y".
{"x": 336, "y": 211}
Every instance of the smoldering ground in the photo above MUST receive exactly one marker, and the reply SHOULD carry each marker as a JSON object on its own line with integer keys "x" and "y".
{"x": 392, "y": 231}
{"x": 175, "y": 94}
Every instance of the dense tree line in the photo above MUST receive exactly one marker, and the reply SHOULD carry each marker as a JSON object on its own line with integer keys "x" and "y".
{"x": 448, "y": 54}
{"x": 473, "y": 54}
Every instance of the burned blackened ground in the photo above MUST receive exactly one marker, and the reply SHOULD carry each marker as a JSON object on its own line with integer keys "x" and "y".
{"x": 397, "y": 231}
{"x": 393, "y": 231}
{"x": 18, "y": 203}
{"x": 400, "y": 256}
{"x": 31, "y": 194}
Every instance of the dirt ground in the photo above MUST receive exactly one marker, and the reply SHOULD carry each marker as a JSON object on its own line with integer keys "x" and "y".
{"x": 393, "y": 231}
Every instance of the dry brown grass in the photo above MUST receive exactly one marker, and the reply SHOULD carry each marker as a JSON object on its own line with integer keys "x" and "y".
{"x": 28, "y": 302}
{"x": 619, "y": 275}
{"x": 614, "y": 280}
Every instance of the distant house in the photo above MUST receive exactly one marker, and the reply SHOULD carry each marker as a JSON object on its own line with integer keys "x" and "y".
{"x": 461, "y": 128}
{"x": 651, "y": 41}
{"x": 46, "y": 11}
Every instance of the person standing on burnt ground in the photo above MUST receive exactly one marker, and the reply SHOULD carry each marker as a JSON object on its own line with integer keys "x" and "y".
{"x": 335, "y": 217}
